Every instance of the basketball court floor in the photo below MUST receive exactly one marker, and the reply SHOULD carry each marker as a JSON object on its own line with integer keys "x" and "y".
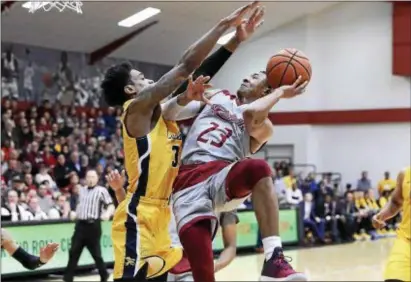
{"x": 359, "y": 261}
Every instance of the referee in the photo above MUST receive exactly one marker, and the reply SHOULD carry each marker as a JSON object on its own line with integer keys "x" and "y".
{"x": 87, "y": 231}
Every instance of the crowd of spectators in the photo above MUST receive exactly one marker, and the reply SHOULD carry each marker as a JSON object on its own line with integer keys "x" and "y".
{"x": 45, "y": 153}
{"x": 329, "y": 214}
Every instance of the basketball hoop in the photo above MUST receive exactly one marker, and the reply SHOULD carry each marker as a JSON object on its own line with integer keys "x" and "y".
{"x": 60, "y": 5}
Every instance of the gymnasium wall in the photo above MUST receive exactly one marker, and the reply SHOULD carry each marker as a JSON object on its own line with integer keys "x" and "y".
{"x": 350, "y": 46}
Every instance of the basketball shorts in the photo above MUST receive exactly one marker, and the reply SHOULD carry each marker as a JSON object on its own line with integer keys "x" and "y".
{"x": 399, "y": 262}
{"x": 140, "y": 236}
{"x": 200, "y": 193}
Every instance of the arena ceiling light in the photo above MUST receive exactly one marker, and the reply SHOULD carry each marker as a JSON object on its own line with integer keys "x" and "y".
{"x": 225, "y": 38}
{"x": 139, "y": 17}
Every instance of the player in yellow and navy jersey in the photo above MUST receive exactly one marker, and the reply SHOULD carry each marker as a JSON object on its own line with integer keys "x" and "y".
{"x": 152, "y": 143}
{"x": 399, "y": 262}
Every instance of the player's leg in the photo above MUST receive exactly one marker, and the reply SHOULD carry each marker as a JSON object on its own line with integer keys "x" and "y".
{"x": 127, "y": 241}
{"x": 159, "y": 251}
{"x": 195, "y": 217}
{"x": 398, "y": 266}
{"x": 254, "y": 176}
{"x": 197, "y": 242}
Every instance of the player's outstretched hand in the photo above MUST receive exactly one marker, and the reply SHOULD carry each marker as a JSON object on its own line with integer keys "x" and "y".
{"x": 236, "y": 17}
{"x": 196, "y": 89}
{"x": 377, "y": 222}
{"x": 249, "y": 26}
{"x": 297, "y": 88}
{"x": 116, "y": 180}
{"x": 47, "y": 252}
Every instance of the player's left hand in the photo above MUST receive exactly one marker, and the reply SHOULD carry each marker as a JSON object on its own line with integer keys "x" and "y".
{"x": 47, "y": 252}
{"x": 115, "y": 180}
{"x": 196, "y": 89}
{"x": 248, "y": 27}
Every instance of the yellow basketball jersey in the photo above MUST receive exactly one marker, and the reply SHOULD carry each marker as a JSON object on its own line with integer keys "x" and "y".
{"x": 405, "y": 226}
{"x": 152, "y": 161}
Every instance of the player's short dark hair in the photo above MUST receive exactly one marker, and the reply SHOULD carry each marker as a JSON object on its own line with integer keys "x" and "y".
{"x": 115, "y": 79}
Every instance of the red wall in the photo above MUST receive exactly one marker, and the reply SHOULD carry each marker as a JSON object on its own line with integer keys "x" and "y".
{"x": 401, "y": 38}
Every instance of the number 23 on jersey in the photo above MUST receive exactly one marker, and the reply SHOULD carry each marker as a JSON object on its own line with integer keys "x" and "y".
{"x": 225, "y": 133}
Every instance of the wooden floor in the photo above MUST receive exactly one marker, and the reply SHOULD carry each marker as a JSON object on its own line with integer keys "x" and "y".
{"x": 359, "y": 261}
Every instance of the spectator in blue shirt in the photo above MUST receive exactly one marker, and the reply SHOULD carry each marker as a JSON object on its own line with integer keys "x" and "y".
{"x": 110, "y": 119}
{"x": 364, "y": 184}
{"x": 101, "y": 130}
{"x": 309, "y": 185}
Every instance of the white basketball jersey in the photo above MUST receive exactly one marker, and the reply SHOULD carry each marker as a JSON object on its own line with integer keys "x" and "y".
{"x": 218, "y": 132}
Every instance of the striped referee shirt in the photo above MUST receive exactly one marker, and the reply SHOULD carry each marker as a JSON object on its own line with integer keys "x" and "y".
{"x": 91, "y": 201}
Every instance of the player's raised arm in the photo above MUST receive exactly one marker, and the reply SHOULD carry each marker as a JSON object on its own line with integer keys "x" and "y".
{"x": 151, "y": 95}
{"x": 213, "y": 63}
{"x": 256, "y": 121}
{"x": 393, "y": 206}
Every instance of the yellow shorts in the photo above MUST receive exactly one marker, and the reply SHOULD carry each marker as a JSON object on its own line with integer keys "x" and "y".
{"x": 140, "y": 235}
{"x": 399, "y": 262}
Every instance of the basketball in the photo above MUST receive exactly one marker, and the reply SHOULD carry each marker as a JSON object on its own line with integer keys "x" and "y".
{"x": 286, "y": 66}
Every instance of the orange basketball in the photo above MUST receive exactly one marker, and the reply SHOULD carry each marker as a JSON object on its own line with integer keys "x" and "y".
{"x": 286, "y": 66}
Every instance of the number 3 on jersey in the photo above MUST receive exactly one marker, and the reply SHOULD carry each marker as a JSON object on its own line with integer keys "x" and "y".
{"x": 224, "y": 135}
{"x": 176, "y": 150}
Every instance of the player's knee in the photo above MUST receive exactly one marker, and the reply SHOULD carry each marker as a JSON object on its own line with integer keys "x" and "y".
{"x": 245, "y": 175}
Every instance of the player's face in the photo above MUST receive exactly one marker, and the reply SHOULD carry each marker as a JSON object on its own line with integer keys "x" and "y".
{"x": 253, "y": 86}
{"x": 137, "y": 83}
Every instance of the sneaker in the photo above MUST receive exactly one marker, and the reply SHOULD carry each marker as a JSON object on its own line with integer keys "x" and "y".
{"x": 365, "y": 236}
{"x": 277, "y": 268}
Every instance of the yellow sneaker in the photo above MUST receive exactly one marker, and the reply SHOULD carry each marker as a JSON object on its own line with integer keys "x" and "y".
{"x": 357, "y": 237}
{"x": 366, "y": 237}
{"x": 381, "y": 232}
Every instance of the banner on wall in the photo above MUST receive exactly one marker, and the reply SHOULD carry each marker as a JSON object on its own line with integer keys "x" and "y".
{"x": 34, "y": 237}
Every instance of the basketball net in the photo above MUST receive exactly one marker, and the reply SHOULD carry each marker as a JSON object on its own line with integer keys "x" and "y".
{"x": 60, "y": 5}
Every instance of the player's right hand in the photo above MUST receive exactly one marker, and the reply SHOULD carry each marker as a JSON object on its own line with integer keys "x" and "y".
{"x": 236, "y": 17}
{"x": 377, "y": 222}
{"x": 47, "y": 252}
{"x": 297, "y": 88}
{"x": 116, "y": 180}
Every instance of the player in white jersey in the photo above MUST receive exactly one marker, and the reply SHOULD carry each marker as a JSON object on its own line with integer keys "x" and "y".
{"x": 216, "y": 175}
